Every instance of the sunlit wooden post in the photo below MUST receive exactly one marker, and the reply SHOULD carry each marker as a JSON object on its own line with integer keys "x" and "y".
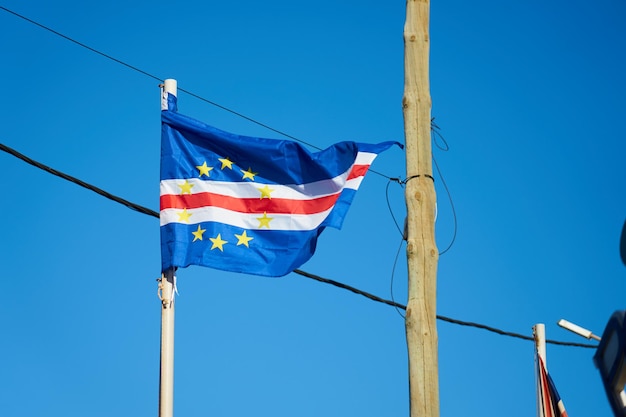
{"x": 422, "y": 253}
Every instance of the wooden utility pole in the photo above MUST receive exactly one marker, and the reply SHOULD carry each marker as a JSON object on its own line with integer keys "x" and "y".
{"x": 422, "y": 253}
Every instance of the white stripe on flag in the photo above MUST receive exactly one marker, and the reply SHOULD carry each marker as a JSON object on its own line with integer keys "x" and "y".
{"x": 251, "y": 189}
{"x": 244, "y": 220}
{"x": 287, "y": 191}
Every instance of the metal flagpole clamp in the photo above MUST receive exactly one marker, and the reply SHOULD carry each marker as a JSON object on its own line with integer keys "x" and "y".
{"x": 167, "y": 302}
{"x": 417, "y": 176}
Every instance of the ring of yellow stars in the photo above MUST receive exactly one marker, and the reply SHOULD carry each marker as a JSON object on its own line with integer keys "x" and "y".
{"x": 186, "y": 187}
{"x": 243, "y": 239}
{"x": 265, "y": 192}
{"x": 197, "y": 235}
{"x": 184, "y": 216}
{"x": 226, "y": 163}
{"x": 204, "y": 169}
{"x": 264, "y": 221}
{"x": 218, "y": 242}
{"x": 248, "y": 174}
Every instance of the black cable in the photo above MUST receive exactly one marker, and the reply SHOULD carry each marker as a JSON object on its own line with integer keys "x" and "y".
{"x": 75, "y": 180}
{"x": 454, "y": 218}
{"x": 349, "y": 288}
{"x": 439, "y": 317}
{"x": 393, "y": 273}
{"x": 393, "y": 217}
{"x": 435, "y": 133}
{"x": 153, "y": 213}
{"x": 511, "y": 334}
{"x": 435, "y": 129}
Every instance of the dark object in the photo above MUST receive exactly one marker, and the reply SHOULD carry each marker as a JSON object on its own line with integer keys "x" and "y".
{"x": 622, "y": 244}
{"x": 609, "y": 359}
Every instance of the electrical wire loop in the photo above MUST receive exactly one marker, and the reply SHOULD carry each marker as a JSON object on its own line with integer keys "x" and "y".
{"x": 417, "y": 176}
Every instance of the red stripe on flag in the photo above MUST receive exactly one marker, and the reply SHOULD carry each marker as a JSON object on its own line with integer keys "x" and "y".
{"x": 358, "y": 171}
{"x": 248, "y": 205}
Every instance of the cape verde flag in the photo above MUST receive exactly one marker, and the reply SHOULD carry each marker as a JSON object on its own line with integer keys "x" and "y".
{"x": 247, "y": 204}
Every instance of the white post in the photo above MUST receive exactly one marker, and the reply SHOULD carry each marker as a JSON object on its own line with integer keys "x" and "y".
{"x": 167, "y": 288}
{"x": 168, "y": 86}
{"x": 166, "y": 380}
{"x": 539, "y": 330}
{"x": 539, "y": 333}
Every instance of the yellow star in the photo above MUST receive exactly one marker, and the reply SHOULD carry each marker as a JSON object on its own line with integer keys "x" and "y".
{"x": 184, "y": 216}
{"x": 248, "y": 174}
{"x": 186, "y": 187}
{"x": 204, "y": 170}
{"x": 197, "y": 235}
{"x": 218, "y": 242}
{"x": 265, "y": 192}
{"x": 226, "y": 163}
{"x": 264, "y": 221}
{"x": 243, "y": 239}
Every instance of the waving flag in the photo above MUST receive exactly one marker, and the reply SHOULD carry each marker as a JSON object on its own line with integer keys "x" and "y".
{"x": 247, "y": 204}
{"x": 550, "y": 404}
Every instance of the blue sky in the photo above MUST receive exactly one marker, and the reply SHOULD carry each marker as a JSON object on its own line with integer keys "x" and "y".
{"x": 529, "y": 97}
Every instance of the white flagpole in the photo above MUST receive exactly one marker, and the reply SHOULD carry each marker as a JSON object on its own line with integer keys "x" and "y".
{"x": 539, "y": 333}
{"x": 167, "y": 289}
{"x": 166, "y": 380}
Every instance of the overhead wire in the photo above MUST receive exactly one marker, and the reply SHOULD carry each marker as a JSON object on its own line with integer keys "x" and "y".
{"x": 393, "y": 217}
{"x": 439, "y": 317}
{"x": 145, "y": 210}
{"x": 436, "y": 134}
{"x": 80, "y": 44}
{"x": 190, "y": 93}
{"x": 79, "y": 182}
{"x": 393, "y": 274}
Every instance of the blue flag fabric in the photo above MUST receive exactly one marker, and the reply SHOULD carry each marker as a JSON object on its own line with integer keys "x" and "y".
{"x": 247, "y": 204}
